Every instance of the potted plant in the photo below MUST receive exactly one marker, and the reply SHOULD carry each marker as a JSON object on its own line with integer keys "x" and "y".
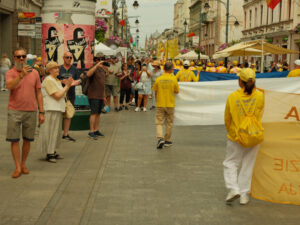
{"x": 100, "y": 30}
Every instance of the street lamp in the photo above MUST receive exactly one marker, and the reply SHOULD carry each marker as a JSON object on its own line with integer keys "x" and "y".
{"x": 185, "y": 25}
{"x": 137, "y": 22}
{"x": 136, "y": 4}
{"x": 137, "y": 30}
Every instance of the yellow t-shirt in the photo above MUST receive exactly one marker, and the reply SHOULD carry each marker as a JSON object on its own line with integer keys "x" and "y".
{"x": 234, "y": 113}
{"x": 221, "y": 69}
{"x": 235, "y": 69}
{"x": 186, "y": 76}
{"x": 165, "y": 86}
{"x": 294, "y": 73}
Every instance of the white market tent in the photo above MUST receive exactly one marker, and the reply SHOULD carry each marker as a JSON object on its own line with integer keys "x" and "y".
{"x": 104, "y": 49}
{"x": 178, "y": 56}
{"x": 192, "y": 55}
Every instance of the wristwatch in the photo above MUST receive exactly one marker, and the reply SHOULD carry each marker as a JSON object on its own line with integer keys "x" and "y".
{"x": 42, "y": 112}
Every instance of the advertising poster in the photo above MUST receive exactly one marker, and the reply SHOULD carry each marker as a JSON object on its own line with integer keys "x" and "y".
{"x": 104, "y": 8}
{"x": 60, "y": 38}
{"x": 52, "y": 43}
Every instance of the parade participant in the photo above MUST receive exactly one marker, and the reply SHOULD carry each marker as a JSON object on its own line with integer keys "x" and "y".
{"x": 65, "y": 71}
{"x": 145, "y": 79}
{"x": 178, "y": 66}
{"x": 24, "y": 99}
{"x": 186, "y": 75}
{"x": 5, "y": 65}
{"x": 165, "y": 87}
{"x": 241, "y": 103}
{"x": 208, "y": 65}
{"x": 199, "y": 67}
{"x": 235, "y": 69}
{"x": 212, "y": 68}
{"x": 253, "y": 67}
{"x": 221, "y": 68}
{"x": 296, "y": 71}
{"x": 125, "y": 81}
{"x": 40, "y": 68}
{"x": 111, "y": 82}
{"x": 192, "y": 66}
{"x": 96, "y": 93}
{"x": 155, "y": 73}
{"x": 54, "y": 101}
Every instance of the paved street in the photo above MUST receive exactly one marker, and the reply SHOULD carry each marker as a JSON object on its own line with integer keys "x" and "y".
{"x": 123, "y": 180}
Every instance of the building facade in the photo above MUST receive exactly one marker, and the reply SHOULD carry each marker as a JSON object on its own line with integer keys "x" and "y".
{"x": 276, "y": 26}
{"x": 9, "y": 37}
{"x": 213, "y": 28}
{"x": 181, "y": 15}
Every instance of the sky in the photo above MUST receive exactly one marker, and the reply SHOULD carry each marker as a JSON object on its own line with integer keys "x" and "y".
{"x": 154, "y": 15}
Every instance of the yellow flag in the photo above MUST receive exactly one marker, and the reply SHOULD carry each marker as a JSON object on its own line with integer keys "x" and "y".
{"x": 277, "y": 169}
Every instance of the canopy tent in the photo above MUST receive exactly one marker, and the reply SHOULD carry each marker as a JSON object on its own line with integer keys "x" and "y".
{"x": 178, "y": 56}
{"x": 104, "y": 49}
{"x": 244, "y": 48}
{"x": 193, "y": 55}
{"x": 237, "y": 50}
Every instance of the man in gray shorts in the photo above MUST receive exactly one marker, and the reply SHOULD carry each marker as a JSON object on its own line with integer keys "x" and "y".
{"x": 111, "y": 82}
{"x": 24, "y": 99}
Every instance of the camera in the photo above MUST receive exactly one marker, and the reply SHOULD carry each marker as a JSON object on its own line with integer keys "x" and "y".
{"x": 65, "y": 75}
{"x": 106, "y": 64}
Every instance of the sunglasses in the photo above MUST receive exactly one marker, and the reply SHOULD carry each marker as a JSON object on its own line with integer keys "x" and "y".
{"x": 21, "y": 56}
{"x": 68, "y": 57}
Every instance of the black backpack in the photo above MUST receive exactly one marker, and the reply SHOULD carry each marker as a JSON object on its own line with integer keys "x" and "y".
{"x": 85, "y": 83}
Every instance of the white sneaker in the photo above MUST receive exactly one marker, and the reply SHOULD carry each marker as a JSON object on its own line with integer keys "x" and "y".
{"x": 145, "y": 110}
{"x": 137, "y": 109}
{"x": 232, "y": 195}
{"x": 244, "y": 200}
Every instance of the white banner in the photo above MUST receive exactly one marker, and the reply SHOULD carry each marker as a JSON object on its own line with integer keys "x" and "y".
{"x": 203, "y": 103}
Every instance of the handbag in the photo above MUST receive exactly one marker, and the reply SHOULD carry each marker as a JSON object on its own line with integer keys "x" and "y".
{"x": 70, "y": 110}
{"x": 140, "y": 86}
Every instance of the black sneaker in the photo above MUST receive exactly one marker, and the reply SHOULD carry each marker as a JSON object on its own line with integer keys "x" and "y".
{"x": 98, "y": 134}
{"x": 116, "y": 109}
{"x": 126, "y": 108}
{"x": 120, "y": 108}
{"x": 92, "y": 135}
{"x": 168, "y": 143}
{"x": 152, "y": 107}
{"x": 68, "y": 138}
{"x": 160, "y": 143}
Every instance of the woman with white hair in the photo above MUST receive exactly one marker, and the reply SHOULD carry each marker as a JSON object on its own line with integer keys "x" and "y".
{"x": 5, "y": 65}
{"x": 54, "y": 104}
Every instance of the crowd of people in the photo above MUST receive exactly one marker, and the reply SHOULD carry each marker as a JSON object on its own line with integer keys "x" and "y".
{"x": 38, "y": 92}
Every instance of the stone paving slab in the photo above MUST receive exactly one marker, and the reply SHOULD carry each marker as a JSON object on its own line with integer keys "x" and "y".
{"x": 123, "y": 180}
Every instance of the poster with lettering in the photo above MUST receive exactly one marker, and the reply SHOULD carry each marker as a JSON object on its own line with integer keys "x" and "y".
{"x": 79, "y": 40}
{"x": 60, "y": 38}
{"x": 52, "y": 43}
{"x": 277, "y": 169}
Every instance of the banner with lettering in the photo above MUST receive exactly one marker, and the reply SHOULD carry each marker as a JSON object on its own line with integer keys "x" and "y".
{"x": 277, "y": 169}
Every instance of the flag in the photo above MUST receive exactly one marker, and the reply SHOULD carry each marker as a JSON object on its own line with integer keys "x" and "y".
{"x": 131, "y": 40}
{"x": 122, "y": 23}
{"x": 192, "y": 34}
{"x": 272, "y": 3}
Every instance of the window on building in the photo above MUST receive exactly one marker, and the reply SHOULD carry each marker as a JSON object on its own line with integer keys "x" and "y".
{"x": 261, "y": 14}
{"x": 250, "y": 19}
{"x": 255, "y": 18}
{"x": 290, "y": 9}
{"x": 280, "y": 11}
{"x": 267, "y": 16}
{"x": 245, "y": 19}
{"x": 272, "y": 16}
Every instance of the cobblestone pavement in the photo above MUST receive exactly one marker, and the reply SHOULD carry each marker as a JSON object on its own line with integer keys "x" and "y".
{"x": 123, "y": 180}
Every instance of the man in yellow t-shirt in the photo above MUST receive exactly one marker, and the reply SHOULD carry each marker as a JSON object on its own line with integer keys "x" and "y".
{"x": 296, "y": 71}
{"x": 165, "y": 87}
{"x": 186, "y": 75}
{"x": 221, "y": 68}
{"x": 235, "y": 68}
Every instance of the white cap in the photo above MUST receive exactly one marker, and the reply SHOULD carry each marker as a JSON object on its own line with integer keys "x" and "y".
{"x": 297, "y": 62}
{"x": 186, "y": 63}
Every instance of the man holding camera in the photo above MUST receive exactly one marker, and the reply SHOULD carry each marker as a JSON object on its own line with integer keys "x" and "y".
{"x": 65, "y": 71}
{"x": 24, "y": 99}
{"x": 96, "y": 93}
{"x": 111, "y": 83}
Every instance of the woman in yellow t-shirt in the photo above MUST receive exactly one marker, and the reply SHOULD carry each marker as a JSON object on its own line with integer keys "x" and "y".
{"x": 245, "y": 99}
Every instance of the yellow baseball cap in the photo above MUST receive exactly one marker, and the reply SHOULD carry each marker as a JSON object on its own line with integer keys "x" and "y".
{"x": 247, "y": 74}
{"x": 235, "y": 63}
